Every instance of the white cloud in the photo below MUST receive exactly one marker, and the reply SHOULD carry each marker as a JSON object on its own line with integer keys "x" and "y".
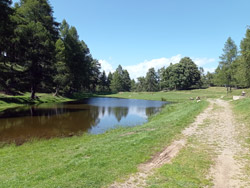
{"x": 106, "y": 66}
{"x": 141, "y": 69}
{"x": 211, "y": 69}
{"x": 200, "y": 62}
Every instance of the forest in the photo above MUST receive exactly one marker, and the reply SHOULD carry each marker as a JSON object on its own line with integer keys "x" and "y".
{"x": 38, "y": 54}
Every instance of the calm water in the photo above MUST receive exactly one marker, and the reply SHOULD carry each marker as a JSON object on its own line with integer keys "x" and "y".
{"x": 94, "y": 115}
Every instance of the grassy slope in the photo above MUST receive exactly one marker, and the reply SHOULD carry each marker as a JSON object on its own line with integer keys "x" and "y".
{"x": 96, "y": 160}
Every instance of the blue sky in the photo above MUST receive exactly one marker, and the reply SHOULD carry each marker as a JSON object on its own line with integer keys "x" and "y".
{"x": 139, "y": 34}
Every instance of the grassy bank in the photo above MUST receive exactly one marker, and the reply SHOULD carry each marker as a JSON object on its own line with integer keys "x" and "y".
{"x": 93, "y": 160}
{"x": 9, "y": 101}
{"x": 175, "y": 96}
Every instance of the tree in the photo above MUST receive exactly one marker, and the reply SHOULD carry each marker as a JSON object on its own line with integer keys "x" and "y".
{"x": 182, "y": 75}
{"x": 9, "y": 74}
{"x": 62, "y": 74}
{"x": 209, "y": 79}
{"x": 141, "y": 84}
{"x": 245, "y": 58}
{"x": 126, "y": 81}
{"x": 120, "y": 80}
{"x": 110, "y": 76}
{"x": 224, "y": 74}
{"x": 133, "y": 85}
{"x": 162, "y": 84}
{"x": 94, "y": 76}
{"x": 116, "y": 83}
{"x": 6, "y": 28}
{"x": 151, "y": 80}
{"x": 103, "y": 85}
{"x": 84, "y": 71}
{"x": 36, "y": 34}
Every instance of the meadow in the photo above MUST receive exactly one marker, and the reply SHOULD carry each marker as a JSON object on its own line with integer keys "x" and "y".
{"x": 98, "y": 160}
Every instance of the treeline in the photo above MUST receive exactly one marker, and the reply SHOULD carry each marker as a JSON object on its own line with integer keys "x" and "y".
{"x": 182, "y": 75}
{"x": 38, "y": 54}
{"x": 234, "y": 66}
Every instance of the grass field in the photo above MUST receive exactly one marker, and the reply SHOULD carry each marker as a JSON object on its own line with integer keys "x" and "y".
{"x": 177, "y": 96}
{"x": 99, "y": 160}
{"x": 86, "y": 160}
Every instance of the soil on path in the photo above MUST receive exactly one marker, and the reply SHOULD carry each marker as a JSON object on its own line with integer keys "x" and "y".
{"x": 220, "y": 133}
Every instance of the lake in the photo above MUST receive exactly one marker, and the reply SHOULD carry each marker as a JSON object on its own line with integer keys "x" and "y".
{"x": 93, "y": 115}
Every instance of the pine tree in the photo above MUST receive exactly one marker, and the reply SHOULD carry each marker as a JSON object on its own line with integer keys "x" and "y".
{"x": 224, "y": 74}
{"x": 245, "y": 59}
{"x": 151, "y": 80}
{"x": 36, "y": 34}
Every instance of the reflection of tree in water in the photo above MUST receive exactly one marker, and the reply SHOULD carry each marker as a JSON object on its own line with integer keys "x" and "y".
{"x": 151, "y": 110}
{"x": 120, "y": 112}
{"x": 47, "y": 123}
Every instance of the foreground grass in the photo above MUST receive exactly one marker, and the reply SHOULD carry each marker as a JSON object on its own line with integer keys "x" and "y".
{"x": 242, "y": 109}
{"x": 93, "y": 160}
{"x": 189, "y": 169}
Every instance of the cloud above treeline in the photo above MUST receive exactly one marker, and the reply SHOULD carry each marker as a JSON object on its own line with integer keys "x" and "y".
{"x": 141, "y": 69}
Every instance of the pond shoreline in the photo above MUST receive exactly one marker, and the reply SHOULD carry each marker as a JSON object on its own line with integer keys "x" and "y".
{"x": 94, "y": 115}
{"x": 10, "y": 101}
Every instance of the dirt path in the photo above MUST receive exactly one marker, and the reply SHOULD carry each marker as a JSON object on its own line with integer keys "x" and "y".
{"x": 220, "y": 133}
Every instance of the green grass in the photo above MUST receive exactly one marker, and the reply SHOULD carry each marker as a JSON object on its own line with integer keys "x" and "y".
{"x": 99, "y": 160}
{"x": 189, "y": 169}
{"x": 9, "y": 101}
{"x": 242, "y": 109}
{"x": 174, "y": 96}
{"x": 93, "y": 160}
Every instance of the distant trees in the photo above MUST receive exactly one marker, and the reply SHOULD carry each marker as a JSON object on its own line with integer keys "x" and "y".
{"x": 151, "y": 80}
{"x": 224, "y": 72}
{"x": 141, "y": 84}
{"x": 182, "y": 75}
{"x": 120, "y": 80}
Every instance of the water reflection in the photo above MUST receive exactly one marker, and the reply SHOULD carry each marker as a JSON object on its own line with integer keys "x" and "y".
{"x": 95, "y": 115}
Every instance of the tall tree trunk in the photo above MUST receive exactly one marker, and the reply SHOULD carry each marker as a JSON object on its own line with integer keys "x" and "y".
{"x": 57, "y": 91}
{"x": 33, "y": 92}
